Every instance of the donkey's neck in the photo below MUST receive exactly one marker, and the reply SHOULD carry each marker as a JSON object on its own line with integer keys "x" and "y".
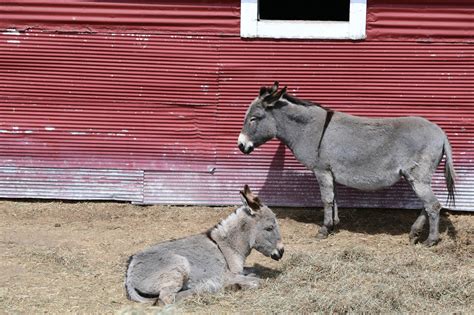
{"x": 233, "y": 239}
{"x": 293, "y": 120}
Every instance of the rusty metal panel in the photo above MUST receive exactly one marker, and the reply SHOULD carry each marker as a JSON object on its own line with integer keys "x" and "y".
{"x": 109, "y": 16}
{"x": 74, "y": 184}
{"x": 421, "y": 20}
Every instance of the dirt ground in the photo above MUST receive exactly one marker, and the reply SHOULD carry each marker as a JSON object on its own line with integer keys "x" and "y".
{"x": 62, "y": 257}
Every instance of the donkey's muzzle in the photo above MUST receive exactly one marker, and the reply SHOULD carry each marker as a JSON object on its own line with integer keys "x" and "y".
{"x": 277, "y": 254}
{"x": 245, "y": 145}
{"x": 245, "y": 149}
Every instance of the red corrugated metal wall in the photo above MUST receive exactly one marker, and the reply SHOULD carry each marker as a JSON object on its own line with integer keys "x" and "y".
{"x": 421, "y": 20}
{"x": 143, "y": 101}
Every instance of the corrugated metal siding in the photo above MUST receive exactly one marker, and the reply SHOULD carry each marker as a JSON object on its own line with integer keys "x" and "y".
{"x": 74, "y": 184}
{"x": 94, "y": 101}
{"x": 163, "y": 16}
{"x": 170, "y": 107}
{"x": 421, "y": 20}
{"x": 371, "y": 79}
{"x": 406, "y": 20}
{"x": 375, "y": 79}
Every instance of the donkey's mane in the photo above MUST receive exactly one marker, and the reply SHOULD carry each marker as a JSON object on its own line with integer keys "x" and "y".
{"x": 297, "y": 101}
{"x": 223, "y": 225}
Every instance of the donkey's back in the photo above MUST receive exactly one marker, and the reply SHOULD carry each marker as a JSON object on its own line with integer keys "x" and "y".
{"x": 369, "y": 154}
{"x": 406, "y": 133}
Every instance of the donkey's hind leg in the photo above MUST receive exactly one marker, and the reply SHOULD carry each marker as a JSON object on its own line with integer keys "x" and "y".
{"x": 431, "y": 210}
{"x": 168, "y": 293}
{"x": 171, "y": 279}
{"x": 417, "y": 227}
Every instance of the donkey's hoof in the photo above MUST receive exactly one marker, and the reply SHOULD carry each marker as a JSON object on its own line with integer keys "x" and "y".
{"x": 321, "y": 236}
{"x": 430, "y": 242}
{"x": 249, "y": 283}
{"x": 233, "y": 287}
{"x": 414, "y": 238}
{"x": 323, "y": 233}
{"x": 165, "y": 300}
{"x": 158, "y": 302}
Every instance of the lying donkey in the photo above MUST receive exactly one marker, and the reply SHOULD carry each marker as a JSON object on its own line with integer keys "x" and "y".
{"x": 206, "y": 262}
{"x": 358, "y": 152}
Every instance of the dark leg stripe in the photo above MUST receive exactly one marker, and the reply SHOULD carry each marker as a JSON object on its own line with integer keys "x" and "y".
{"x": 329, "y": 114}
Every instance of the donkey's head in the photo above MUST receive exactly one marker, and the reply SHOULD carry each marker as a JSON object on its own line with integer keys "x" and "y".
{"x": 264, "y": 230}
{"x": 259, "y": 125}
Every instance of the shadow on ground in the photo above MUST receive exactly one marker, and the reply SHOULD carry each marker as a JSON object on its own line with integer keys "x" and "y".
{"x": 369, "y": 221}
{"x": 262, "y": 271}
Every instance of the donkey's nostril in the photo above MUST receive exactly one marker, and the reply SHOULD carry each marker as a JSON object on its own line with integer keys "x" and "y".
{"x": 277, "y": 254}
{"x": 245, "y": 148}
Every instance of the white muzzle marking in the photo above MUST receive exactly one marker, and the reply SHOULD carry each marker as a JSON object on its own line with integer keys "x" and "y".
{"x": 244, "y": 141}
{"x": 277, "y": 253}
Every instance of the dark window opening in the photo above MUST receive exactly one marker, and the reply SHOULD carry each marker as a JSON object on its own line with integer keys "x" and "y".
{"x": 313, "y": 10}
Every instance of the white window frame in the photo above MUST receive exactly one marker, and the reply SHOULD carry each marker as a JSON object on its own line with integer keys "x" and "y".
{"x": 251, "y": 27}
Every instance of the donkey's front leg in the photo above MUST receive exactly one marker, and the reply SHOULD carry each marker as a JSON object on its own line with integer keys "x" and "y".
{"x": 326, "y": 186}
{"x": 241, "y": 282}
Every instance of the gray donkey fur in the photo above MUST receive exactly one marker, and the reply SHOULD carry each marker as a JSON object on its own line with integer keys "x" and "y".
{"x": 206, "y": 262}
{"x": 357, "y": 152}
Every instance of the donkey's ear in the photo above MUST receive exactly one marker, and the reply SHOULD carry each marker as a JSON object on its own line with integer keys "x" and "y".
{"x": 246, "y": 204}
{"x": 247, "y": 190}
{"x": 250, "y": 201}
{"x": 270, "y": 100}
{"x": 274, "y": 87}
{"x": 266, "y": 90}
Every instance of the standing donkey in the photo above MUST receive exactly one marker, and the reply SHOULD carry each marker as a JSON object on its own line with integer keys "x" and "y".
{"x": 206, "y": 262}
{"x": 358, "y": 152}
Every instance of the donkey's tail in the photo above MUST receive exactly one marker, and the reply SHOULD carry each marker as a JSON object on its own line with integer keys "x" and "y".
{"x": 449, "y": 173}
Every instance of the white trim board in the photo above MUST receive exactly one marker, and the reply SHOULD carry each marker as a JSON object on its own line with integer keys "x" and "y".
{"x": 251, "y": 27}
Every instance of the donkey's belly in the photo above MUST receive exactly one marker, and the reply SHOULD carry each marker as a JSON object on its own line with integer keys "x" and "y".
{"x": 367, "y": 180}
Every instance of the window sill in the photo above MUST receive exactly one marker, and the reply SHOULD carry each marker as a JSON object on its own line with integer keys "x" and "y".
{"x": 251, "y": 27}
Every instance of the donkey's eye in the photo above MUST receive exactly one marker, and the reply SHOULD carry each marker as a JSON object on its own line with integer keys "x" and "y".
{"x": 269, "y": 229}
{"x": 253, "y": 118}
